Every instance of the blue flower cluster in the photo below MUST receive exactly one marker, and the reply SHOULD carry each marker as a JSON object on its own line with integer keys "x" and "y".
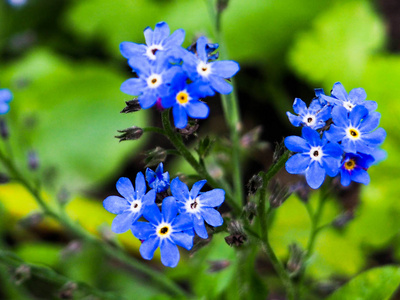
{"x": 5, "y": 97}
{"x": 347, "y": 141}
{"x": 170, "y": 76}
{"x": 183, "y": 213}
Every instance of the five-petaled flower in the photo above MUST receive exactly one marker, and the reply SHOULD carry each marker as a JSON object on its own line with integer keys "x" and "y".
{"x": 316, "y": 157}
{"x": 354, "y": 168}
{"x": 165, "y": 230}
{"x": 314, "y": 117}
{"x": 199, "y": 206}
{"x": 129, "y": 208}
{"x": 158, "y": 180}
{"x": 5, "y": 97}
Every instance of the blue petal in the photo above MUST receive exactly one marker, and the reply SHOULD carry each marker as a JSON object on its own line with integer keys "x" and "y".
{"x": 196, "y": 188}
{"x": 331, "y": 165}
{"x": 311, "y": 136}
{"x": 370, "y": 122}
{"x": 298, "y": 163}
{"x": 345, "y": 178}
{"x": 141, "y": 65}
{"x": 115, "y": 204}
{"x": 179, "y": 190}
{"x": 295, "y": 120}
{"x": 140, "y": 185}
{"x": 147, "y": 100}
{"x": 299, "y": 106}
{"x": 180, "y": 116}
{"x": 150, "y": 176}
{"x": 375, "y": 138}
{"x": 197, "y": 109}
{"x": 220, "y": 85}
{"x": 212, "y": 198}
{"x": 224, "y": 68}
{"x": 149, "y": 198}
{"x": 296, "y": 144}
{"x": 5, "y": 95}
{"x": 370, "y": 105}
{"x": 339, "y": 116}
{"x": 212, "y": 216}
{"x": 169, "y": 253}
{"x": 160, "y": 169}
{"x": 183, "y": 222}
{"x": 357, "y": 95}
{"x": 123, "y": 222}
{"x": 152, "y": 214}
{"x": 183, "y": 239}
{"x": 129, "y": 49}
{"x": 133, "y": 86}
{"x": 142, "y": 230}
{"x": 333, "y": 150}
{"x": 199, "y": 227}
{"x": 339, "y": 92}
{"x": 335, "y": 134}
{"x": 169, "y": 209}
{"x": 325, "y": 113}
{"x": 161, "y": 32}
{"x": 148, "y": 35}
{"x": 201, "y": 48}
{"x": 315, "y": 105}
{"x": 175, "y": 39}
{"x": 125, "y": 188}
{"x": 315, "y": 175}
{"x": 357, "y": 114}
{"x": 361, "y": 176}
{"x": 149, "y": 246}
{"x": 349, "y": 146}
{"x": 4, "y": 108}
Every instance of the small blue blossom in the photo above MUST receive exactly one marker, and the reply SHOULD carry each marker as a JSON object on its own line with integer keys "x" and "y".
{"x": 158, "y": 180}
{"x": 314, "y": 117}
{"x": 354, "y": 168}
{"x": 316, "y": 157}
{"x": 199, "y": 206}
{"x": 339, "y": 97}
{"x": 212, "y": 74}
{"x": 165, "y": 230}
{"x": 157, "y": 40}
{"x": 153, "y": 79}
{"x": 129, "y": 208}
{"x": 184, "y": 100}
{"x": 5, "y": 97}
{"x": 356, "y": 130}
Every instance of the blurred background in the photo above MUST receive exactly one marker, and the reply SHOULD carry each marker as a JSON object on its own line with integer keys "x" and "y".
{"x": 61, "y": 60}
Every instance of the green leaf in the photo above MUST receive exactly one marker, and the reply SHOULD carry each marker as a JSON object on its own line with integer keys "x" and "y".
{"x": 375, "y": 284}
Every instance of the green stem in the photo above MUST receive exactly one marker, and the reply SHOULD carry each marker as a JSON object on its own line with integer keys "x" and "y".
{"x": 10, "y": 259}
{"x": 176, "y": 140}
{"x": 77, "y": 230}
{"x": 154, "y": 129}
{"x": 230, "y": 105}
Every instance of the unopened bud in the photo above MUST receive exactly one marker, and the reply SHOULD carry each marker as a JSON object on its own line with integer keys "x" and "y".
{"x": 63, "y": 196}
{"x": 190, "y": 129}
{"x": 72, "y": 248}
{"x": 155, "y": 156}
{"x": 33, "y": 160}
{"x": 67, "y": 291}
{"x": 279, "y": 150}
{"x": 250, "y": 210}
{"x": 4, "y": 178}
{"x": 251, "y": 138}
{"x": 254, "y": 184}
{"x": 131, "y": 133}
{"x": 218, "y": 265}
{"x": 222, "y": 5}
{"x": 278, "y": 195}
{"x": 302, "y": 190}
{"x": 343, "y": 219}
{"x": 295, "y": 262}
{"x": 22, "y": 273}
{"x": 31, "y": 220}
{"x": 131, "y": 106}
{"x": 4, "y": 132}
{"x": 238, "y": 236}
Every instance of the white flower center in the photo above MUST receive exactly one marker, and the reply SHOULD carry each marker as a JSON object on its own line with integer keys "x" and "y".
{"x": 203, "y": 69}
{"x": 309, "y": 119}
{"x": 353, "y": 133}
{"x": 136, "y": 205}
{"x": 154, "y": 81}
{"x": 151, "y": 51}
{"x": 193, "y": 205}
{"x": 348, "y": 105}
{"x": 316, "y": 153}
{"x": 164, "y": 230}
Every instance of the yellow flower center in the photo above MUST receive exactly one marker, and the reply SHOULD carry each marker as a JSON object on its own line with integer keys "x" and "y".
{"x": 350, "y": 164}
{"x": 182, "y": 97}
{"x": 353, "y": 133}
{"x": 163, "y": 230}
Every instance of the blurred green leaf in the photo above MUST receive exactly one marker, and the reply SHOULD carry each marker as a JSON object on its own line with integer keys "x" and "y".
{"x": 40, "y": 253}
{"x": 72, "y": 111}
{"x": 374, "y": 284}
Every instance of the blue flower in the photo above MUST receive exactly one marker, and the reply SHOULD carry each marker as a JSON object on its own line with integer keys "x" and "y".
{"x": 355, "y": 129}
{"x": 212, "y": 74}
{"x": 158, "y": 180}
{"x": 153, "y": 80}
{"x": 354, "y": 168}
{"x": 314, "y": 117}
{"x": 349, "y": 101}
{"x": 5, "y": 97}
{"x": 129, "y": 208}
{"x": 184, "y": 100}
{"x": 200, "y": 207}
{"x": 316, "y": 157}
{"x": 157, "y": 40}
{"x": 166, "y": 230}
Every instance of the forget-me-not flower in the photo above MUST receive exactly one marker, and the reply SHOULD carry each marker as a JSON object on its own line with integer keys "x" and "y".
{"x": 356, "y": 130}
{"x": 314, "y": 117}
{"x": 339, "y": 97}
{"x": 165, "y": 230}
{"x": 354, "y": 168}
{"x": 129, "y": 208}
{"x": 5, "y": 97}
{"x": 158, "y": 180}
{"x": 199, "y": 206}
{"x": 184, "y": 100}
{"x": 157, "y": 40}
{"x": 316, "y": 157}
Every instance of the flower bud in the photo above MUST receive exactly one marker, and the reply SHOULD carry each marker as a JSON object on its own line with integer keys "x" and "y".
{"x": 22, "y": 273}
{"x": 131, "y": 133}
{"x": 295, "y": 263}
{"x": 238, "y": 236}
{"x": 218, "y": 265}
{"x": 155, "y": 156}
{"x": 343, "y": 219}
{"x": 4, "y": 178}
{"x": 33, "y": 160}
{"x": 278, "y": 195}
{"x": 254, "y": 184}
{"x": 131, "y": 106}
{"x": 190, "y": 129}
{"x": 67, "y": 291}
{"x": 4, "y": 132}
